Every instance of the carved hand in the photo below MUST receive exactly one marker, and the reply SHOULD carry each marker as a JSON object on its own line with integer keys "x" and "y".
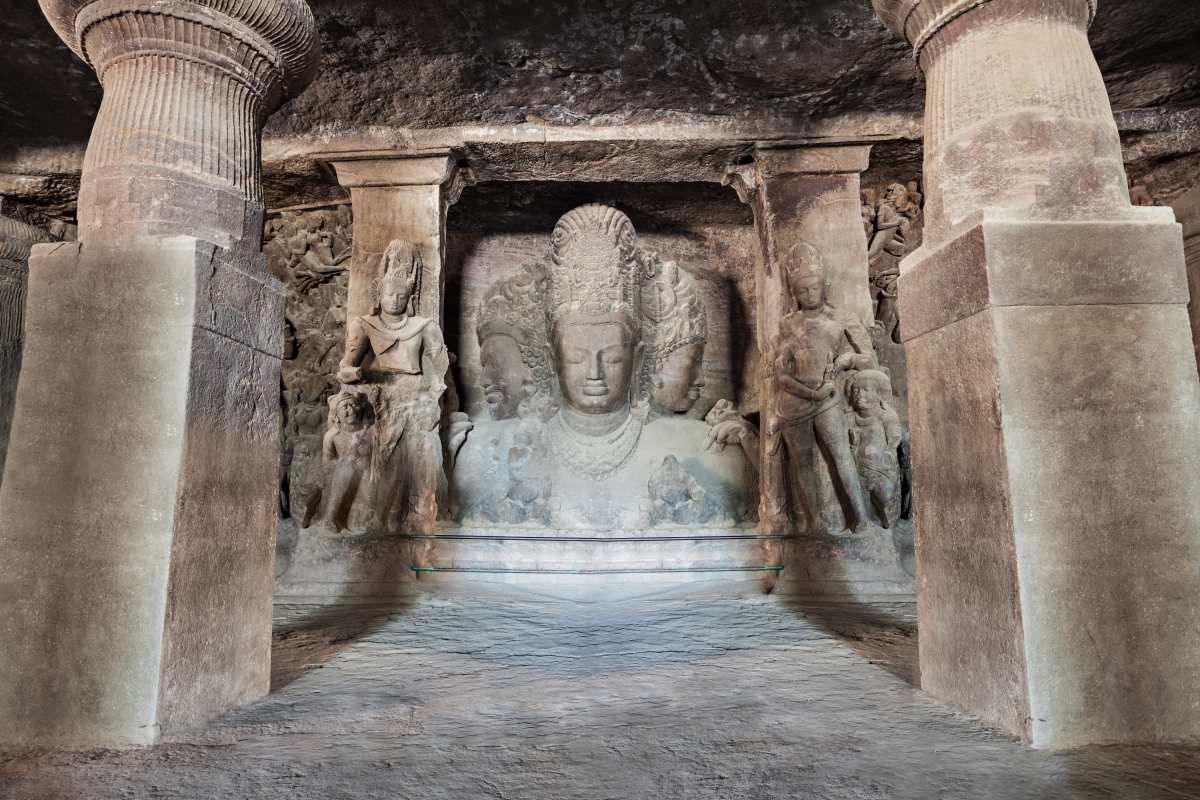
{"x": 348, "y": 374}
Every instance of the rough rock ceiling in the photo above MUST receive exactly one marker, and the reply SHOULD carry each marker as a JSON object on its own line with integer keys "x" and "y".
{"x": 399, "y": 64}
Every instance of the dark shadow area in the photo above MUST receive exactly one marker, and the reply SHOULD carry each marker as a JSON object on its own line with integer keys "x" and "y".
{"x": 298, "y": 647}
{"x": 535, "y": 206}
{"x": 885, "y": 633}
{"x": 306, "y": 636}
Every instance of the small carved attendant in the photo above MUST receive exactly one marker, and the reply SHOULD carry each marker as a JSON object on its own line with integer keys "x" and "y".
{"x": 406, "y": 373}
{"x": 875, "y": 435}
{"x": 808, "y": 404}
{"x": 675, "y": 330}
{"x": 348, "y": 443}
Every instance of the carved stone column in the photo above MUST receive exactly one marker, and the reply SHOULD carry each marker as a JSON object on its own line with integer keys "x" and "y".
{"x": 16, "y": 240}
{"x": 137, "y": 513}
{"x": 1054, "y": 401}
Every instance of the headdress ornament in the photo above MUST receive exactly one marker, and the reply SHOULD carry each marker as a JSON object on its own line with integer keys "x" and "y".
{"x": 401, "y": 259}
{"x": 595, "y": 267}
{"x": 805, "y": 262}
{"x": 673, "y": 313}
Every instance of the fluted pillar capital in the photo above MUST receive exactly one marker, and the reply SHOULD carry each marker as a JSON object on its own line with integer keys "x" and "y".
{"x": 920, "y": 21}
{"x": 188, "y": 85}
{"x": 1016, "y": 111}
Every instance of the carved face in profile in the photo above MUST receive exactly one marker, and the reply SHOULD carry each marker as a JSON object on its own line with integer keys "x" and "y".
{"x": 506, "y": 379}
{"x": 676, "y": 381}
{"x": 593, "y": 360}
{"x": 394, "y": 293}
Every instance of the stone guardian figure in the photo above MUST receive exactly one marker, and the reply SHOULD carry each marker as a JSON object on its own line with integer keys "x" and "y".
{"x": 809, "y": 406}
{"x": 402, "y": 358}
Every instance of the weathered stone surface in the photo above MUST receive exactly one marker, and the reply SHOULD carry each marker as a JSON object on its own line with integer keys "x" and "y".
{"x": 175, "y": 499}
{"x": 518, "y": 694}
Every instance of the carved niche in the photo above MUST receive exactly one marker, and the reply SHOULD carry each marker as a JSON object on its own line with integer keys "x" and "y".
{"x": 590, "y": 357}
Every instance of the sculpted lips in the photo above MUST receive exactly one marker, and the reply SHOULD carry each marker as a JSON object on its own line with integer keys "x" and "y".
{"x": 596, "y": 389}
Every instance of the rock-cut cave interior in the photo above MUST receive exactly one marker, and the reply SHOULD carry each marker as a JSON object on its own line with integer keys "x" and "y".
{"x": 599, "y": 399}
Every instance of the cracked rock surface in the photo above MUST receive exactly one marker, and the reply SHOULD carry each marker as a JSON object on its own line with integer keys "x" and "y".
{"x": 508, "y": 694}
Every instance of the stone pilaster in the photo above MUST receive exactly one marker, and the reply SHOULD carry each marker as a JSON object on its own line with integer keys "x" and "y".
{"x": 137, "y": 513}
{"x": 400, "y": 198}
{"x": 1054, "y": 401}
{"x": 810, "y": 195}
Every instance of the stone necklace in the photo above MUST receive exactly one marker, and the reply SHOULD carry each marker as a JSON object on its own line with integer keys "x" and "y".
{"x": 594, "y": 457}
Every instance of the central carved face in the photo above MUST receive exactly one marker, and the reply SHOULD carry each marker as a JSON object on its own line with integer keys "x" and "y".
{"x": 865, "y": 396}
{"x": 394, "y": 294}
{"x": 505, "y": 377}
{"x": 594, "y": 363}
{"x": 677, "y": 381}
{"x": 809, "y": 291}
{"x": 348, "y": 414}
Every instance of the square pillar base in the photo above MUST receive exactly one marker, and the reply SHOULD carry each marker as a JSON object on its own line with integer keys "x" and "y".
{"x": 1055, "y": 413}
{"x": 137, "y": 514}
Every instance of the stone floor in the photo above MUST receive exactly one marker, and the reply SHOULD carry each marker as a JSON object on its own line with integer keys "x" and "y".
{"x": 508, "y": 694}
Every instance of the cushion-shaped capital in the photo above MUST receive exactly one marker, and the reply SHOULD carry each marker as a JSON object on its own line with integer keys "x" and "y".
{"x": 285, "y": 25}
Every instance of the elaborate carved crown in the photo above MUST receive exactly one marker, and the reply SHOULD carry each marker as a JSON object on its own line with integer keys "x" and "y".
{"x": 512, "y": 306}
{"x": 595, "y": 265}
{"x": 673, "y": 312}
{"x": 401, "y": 259}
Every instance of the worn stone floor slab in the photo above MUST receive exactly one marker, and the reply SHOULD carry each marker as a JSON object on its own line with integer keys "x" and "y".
{"x": 508, "y": 694}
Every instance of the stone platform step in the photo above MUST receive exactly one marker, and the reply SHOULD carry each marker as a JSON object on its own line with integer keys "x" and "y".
{"x": 596, "y": 559}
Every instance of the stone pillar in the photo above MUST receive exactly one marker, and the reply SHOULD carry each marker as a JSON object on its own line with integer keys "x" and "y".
{"x": 137, "y": 513}
{"x": 1054, "y": 401}
{"x": 400, "y": 198}
{"x": 1187, "y": 212}
{"x": 16, "y": 240}
{"x": 810, "y": 195}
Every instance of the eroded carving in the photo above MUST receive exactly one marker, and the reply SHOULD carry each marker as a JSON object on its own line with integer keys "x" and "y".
{"x": 675, "y": 330}
{"x": 400, "y": 359}
{"x": 809, "y": 407}
{"x": 676, "y": 496}
{"x": 512, "y": 338}
{"x": 875, "y": 436}
{"x": 348, "y": 445}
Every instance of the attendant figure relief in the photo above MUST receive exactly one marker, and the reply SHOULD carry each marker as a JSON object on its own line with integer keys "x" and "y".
{"x": 401, "y": 358}
{"x": 347, "y": 445}
{"x": 875, "y": 438}
{"x": 809, "y": 407}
